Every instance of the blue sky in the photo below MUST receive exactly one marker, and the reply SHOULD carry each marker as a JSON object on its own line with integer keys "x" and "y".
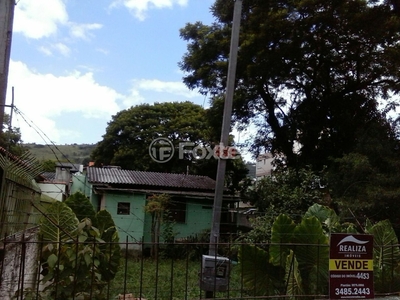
{"x": 76, "y": 63}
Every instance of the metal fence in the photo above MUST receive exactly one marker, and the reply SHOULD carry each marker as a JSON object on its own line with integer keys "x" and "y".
{"x": 176, "y": 273}
{"x": 19, "y": 193}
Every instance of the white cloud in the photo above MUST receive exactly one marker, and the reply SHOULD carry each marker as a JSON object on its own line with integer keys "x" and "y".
{"x": 171, "y": 87}
{"x": 133, "y": 99}
{"x": 62, "y": 48}
{"x": 139, "y": 7}
{"x": 39, "y": 18}
{"x": 45, "y": 50}
{"x": 44, "y": 97}
{"x": 102, "y": 51}
{"x": 83, "y": 31}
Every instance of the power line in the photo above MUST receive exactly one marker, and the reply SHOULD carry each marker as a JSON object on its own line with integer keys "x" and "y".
{"x": 43, "y": 136}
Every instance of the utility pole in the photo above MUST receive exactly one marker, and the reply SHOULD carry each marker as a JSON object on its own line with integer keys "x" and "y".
{"x": 226, "y": 129}
{"x": 6, "y": 25}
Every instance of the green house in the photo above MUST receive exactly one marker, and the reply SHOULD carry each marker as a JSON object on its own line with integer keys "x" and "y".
{"x": 123, "y": 193}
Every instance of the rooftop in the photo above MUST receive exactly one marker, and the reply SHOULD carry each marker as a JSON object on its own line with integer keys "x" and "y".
{"x": 116, "y": 176}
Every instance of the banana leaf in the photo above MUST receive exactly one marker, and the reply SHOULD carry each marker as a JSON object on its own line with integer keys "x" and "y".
{"x": 386, "y": 256}
{"x": 294, "y": 281}
{"x": 281, "y": 237}
{"x": 58, "y": 224}
{"x": 312, "y": 253}
{"x": 259, "y": 276}
{"x": 326, "y": 215}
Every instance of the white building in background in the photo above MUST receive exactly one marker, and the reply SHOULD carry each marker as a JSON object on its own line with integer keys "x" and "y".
{"x": 57, "y": 185}
{"x": 264, "y": 165}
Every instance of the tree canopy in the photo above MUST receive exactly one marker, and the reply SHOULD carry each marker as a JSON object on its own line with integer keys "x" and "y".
{"x": 320, "y": 81}
{"x": 314, "y": 73}
{"x": 130, "y": 133}
{"x": 10, "y": 138}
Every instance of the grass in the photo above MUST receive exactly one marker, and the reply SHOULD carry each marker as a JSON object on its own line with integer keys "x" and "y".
{"x": 167, "y": 279}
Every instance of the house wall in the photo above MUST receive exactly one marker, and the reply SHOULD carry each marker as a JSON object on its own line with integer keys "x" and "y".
{"x": 79, "y": 184}
{"x": 130, "y": 225}
{"x": 198, "y": 218}
{"x": 53, "y": 190}
{"x": 63, "y": 174}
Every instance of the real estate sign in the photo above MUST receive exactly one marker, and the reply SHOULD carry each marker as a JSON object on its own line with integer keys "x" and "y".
{"x": 351, "y": 266}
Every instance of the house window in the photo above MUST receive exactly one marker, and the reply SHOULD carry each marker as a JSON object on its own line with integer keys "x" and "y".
{"x": 124, "y": 208}
{"x": 177, "y": 211}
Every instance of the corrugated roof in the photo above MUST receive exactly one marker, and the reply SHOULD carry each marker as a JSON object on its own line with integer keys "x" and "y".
{"x": 49, "y": 176}
{"x": 73, "y": 167}
{"x": 155, "y": 179}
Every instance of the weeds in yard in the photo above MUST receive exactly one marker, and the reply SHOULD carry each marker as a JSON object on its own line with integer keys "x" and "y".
{"x": 167, "y": 279}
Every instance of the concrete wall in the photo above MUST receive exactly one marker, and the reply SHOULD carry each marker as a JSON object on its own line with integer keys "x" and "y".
{"x": 53, "y": 190}
{"x": 198, "y": 218}
{"x": 132, "y": 224}
{"x": 19, "y": 263}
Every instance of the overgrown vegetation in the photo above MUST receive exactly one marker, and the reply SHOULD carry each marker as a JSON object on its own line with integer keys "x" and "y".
{"x": 295, "y": 262}
{"x": 169, "y": 279}
{"x": 77, "y": 258}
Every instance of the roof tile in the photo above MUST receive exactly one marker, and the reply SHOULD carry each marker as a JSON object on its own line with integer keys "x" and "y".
{"x": 129, "y": 177}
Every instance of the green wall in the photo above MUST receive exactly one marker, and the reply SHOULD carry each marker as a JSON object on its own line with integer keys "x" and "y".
{"x": 129, "y": 226}
{"x": 80, "y": 184}
{"x": 136, "y": 226}
{"x": 198, "y": 218}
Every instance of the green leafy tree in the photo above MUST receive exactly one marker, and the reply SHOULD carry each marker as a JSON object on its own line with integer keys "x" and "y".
{"x": 10, "y": 138}
{"x": 288, "y": 191}
{"x": 130, "y": 133}
{"x": 366, "y": 186}
{"x": 309, "y": 73}
{"x": 48, "y": 165}
{"x": 82, "y": 207}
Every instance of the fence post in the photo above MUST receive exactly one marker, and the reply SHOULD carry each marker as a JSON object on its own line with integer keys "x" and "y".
{"x": 22, "y": 267}
{"x": 126, "y": 264}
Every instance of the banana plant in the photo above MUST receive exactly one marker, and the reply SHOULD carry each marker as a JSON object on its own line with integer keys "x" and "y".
{"x": 302, "y": 252}
{"x": 260, "y": 277}
{"x": 386, "y": 256}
